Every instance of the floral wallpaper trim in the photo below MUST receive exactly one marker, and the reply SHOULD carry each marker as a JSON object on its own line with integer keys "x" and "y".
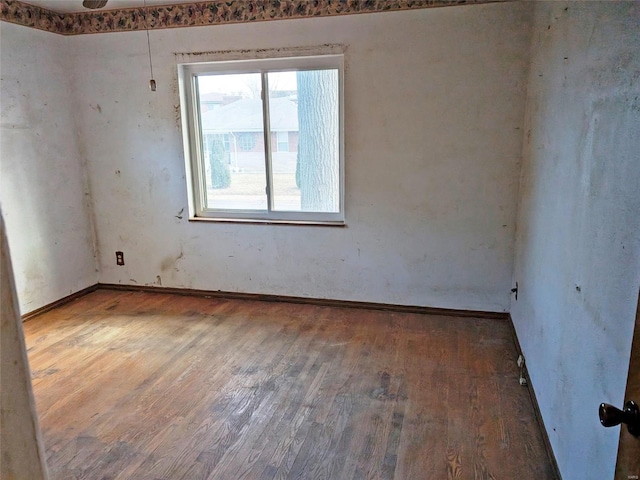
{"x": 31, "y": 16}
{"x": 202, "y": 13}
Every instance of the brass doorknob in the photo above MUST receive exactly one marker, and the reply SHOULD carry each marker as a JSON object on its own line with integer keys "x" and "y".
{"x": 611, "y": 416}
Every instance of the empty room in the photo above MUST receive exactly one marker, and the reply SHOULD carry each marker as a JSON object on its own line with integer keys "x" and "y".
{"x": 320, "y": 239}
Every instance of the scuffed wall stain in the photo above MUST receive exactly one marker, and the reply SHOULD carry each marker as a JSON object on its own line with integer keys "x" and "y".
{"x": 203, "y": 13}
{"x": 178, "y": 117}
{"x": 171, "y": 261}
{"x": 164, "y": 175}
{"x": 166, "y": 263}
{"x": 258, "y": 53}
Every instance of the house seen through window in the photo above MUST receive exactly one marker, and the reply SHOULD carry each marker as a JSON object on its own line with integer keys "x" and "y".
{"x": 265, "y": 139}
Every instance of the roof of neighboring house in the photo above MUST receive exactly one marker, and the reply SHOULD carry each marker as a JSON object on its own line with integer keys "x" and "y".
{"x": 246, "y": 116}
{"x": 212, "y": 97}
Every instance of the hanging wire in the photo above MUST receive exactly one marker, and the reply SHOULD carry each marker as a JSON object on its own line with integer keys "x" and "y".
{"x": 152, "y": 82}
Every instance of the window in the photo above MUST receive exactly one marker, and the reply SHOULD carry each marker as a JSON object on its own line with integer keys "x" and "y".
{"x": 247, "y": 142}
{"x": 283, "y": 141}
{"x": 234, "y": 171}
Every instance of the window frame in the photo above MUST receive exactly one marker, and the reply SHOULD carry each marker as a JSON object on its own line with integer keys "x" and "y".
{"x": 193, "y": 148}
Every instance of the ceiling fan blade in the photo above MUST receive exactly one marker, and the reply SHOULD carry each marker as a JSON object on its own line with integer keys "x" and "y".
{"x": 93, "y": 4}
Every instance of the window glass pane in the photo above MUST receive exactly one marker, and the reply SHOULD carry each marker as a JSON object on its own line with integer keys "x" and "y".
{"x": 283, "y": 120}
{"x": 233, "y": 141}
{"x": 283, "y": 141}
{"x": 306, "y": 174}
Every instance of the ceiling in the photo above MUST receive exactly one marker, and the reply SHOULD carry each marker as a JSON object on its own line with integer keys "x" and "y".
{"x": 68, "y": 6}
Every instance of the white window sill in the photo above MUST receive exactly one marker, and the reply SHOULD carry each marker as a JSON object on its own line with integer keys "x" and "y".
{"x": 269, "y": 221}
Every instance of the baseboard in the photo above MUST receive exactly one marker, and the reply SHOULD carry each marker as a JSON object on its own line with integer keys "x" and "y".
{"x": 308, "y": 301}
{"x": 59, "y": 303}
{"x": 536, "y": 406}
{"x": 271, "y": 298}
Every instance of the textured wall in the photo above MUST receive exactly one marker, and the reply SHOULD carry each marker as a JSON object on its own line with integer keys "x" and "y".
{"x": 578, "y": 240}
{"x": 41, "y": 181}
{"x": 434, "y": 109}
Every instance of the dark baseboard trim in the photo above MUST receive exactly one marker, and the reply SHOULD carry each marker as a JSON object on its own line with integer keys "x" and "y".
{"x": 271, "y": 298}
{"x": 536, "y": 406}
{"x": 59, "y": 303}
{"x": 308, "y": 301}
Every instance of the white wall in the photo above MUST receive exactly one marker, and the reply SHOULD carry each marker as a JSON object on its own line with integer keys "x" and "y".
{"x": 434, "y": 112}
{"x": 578, "y": 240}
{"x": 41, "y": 181}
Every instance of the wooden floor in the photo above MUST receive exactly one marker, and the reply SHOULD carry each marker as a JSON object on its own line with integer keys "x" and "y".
{"x": 156, "y": 386}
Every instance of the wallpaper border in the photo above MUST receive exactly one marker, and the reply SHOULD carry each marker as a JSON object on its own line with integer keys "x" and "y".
{"x": 203, "y": 13}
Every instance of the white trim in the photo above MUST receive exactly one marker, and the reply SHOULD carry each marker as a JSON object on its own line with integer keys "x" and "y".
{"x": 266, "y": 121}
{"x": 269, "y": 221}
{"x": 192, "y": 137}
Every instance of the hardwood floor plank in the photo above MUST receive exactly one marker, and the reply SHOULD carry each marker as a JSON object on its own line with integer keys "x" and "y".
{"x": 135, "y": 385}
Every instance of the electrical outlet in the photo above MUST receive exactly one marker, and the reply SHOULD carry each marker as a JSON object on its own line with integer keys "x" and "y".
{"x": 119, "y": 258}
{"x": 523, "y": 378}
